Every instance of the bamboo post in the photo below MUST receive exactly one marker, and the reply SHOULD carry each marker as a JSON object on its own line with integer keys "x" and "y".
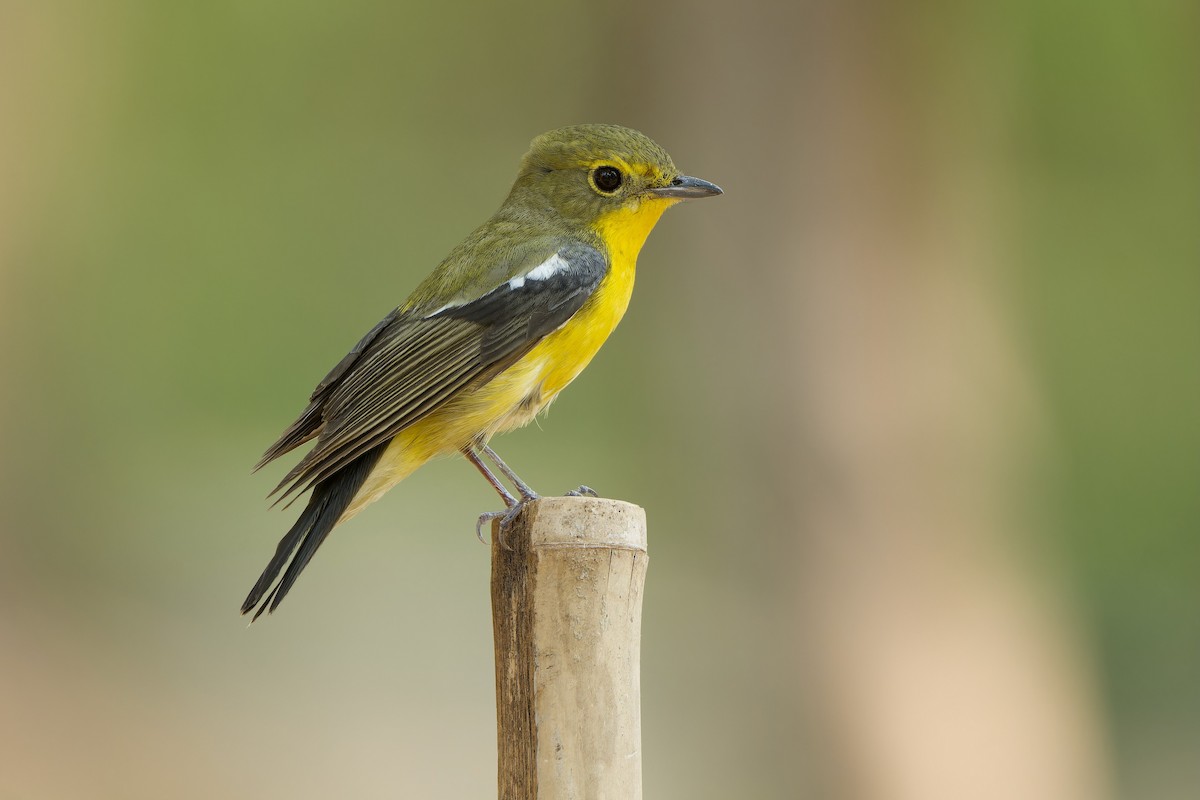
{"x": 567, "y": 617}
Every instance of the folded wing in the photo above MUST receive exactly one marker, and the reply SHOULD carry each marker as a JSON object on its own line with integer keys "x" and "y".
{"x": 410, "y": 364}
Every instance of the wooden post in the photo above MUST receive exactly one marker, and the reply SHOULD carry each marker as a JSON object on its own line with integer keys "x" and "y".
{"x": 567, "y": 616}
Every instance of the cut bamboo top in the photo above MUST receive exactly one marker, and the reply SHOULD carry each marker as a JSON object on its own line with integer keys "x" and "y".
{"x": 587, "y": 522}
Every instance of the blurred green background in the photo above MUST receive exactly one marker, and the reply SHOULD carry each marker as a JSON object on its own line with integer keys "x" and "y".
{"x": 912, "y": 408}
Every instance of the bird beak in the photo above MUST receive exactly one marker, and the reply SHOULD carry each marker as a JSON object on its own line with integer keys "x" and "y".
{"x": 685, "y": 187}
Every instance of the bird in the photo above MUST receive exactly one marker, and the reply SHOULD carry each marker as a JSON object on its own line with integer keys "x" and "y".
{"x": 484, "y": 343}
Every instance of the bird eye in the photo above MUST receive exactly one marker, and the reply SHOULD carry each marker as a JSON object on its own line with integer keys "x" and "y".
{"x": 607, "y": 179}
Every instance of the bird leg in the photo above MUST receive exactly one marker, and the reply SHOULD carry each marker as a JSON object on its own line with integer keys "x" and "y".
{"x": 527, "y": 493}
{"x": 474, "y": 458}
{"x": 515, "y": 507}
{"x": 512, "y": 504}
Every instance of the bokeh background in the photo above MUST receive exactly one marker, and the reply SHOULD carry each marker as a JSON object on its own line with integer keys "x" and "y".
{"x": 913, "y": 408}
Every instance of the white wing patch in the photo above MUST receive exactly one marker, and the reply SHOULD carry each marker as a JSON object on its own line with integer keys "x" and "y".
{"x": 551, "y": 266}
{"x": 543, "y": 271}
{"x": 437, "y": 311}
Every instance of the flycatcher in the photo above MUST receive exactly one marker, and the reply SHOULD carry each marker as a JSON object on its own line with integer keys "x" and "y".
{"x": 486, "y": 342}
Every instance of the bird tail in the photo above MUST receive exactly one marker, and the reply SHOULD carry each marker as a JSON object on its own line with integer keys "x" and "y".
{"x": 329, "y": 500}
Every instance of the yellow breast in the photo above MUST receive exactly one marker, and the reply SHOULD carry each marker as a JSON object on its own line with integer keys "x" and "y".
{"x": 559, "y": 358}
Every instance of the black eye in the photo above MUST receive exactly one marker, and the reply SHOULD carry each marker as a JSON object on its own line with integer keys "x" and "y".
{"x": 607, "y": 179}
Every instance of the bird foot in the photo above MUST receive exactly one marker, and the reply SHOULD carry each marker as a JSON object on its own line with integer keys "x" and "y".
{"x": 509, "y": 514}
{"x": 506, "y": 517}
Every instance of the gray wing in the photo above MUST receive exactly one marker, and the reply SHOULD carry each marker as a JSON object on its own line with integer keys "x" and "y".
{"x": 409, "y": 365}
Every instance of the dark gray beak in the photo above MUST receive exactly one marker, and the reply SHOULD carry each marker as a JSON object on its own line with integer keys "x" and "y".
{"x": 685, "y": 187}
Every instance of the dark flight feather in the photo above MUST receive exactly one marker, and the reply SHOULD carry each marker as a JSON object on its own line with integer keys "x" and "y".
{"x": 310, "y": 421}
{"x": 328, "y": 502}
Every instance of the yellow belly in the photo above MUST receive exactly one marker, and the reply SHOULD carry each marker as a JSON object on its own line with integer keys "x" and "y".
{"x": 514, "y": 397}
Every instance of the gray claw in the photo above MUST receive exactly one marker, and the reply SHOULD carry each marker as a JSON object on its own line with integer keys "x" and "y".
{"x": 583, "y": 491}
{"x": 485, "y": 517}
{"x": 506, "y": 517}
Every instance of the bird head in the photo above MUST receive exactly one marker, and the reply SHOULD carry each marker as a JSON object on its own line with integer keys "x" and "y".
{"x": 587, "y": 172}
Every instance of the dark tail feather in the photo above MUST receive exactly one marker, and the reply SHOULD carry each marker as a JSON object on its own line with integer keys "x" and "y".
{"x": 330, "y": 499}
